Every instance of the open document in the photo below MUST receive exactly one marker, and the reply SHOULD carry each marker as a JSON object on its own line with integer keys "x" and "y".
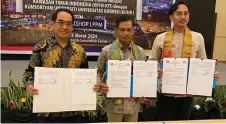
{"x": 62, "y": 89}
{"x": 145, "y": 78}
{"x": 119, "y": 78}
{"x": 200, "y": 77}
{"x": 174, "y": 79}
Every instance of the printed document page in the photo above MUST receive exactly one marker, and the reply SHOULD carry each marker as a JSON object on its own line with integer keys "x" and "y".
{"x": 119, "y": 78}
{"x": 174, "y": 79}
{"x": 200, "y": 78}
{"x": 145, "y": 78}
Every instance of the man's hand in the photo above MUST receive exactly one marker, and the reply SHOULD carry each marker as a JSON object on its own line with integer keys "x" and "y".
{"x": 141, "y": 99}
{"x": 101, "y": 87}
{"x": 217, "y": 76}
{"x": 160, "y": 72}
{"x": 31, "y": 90}
{"x": 147, "y": 102}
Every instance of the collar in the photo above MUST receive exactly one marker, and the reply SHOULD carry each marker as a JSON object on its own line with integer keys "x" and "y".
{"x": 121, "y": 46}
{"x": 53, "y": 41}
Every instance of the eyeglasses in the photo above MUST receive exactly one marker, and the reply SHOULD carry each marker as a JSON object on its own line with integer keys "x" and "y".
{"x": 62, "y": 23}
{"x": 181, "y": 13}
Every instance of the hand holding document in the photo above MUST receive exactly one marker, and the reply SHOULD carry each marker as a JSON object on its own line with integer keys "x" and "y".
{"x": 195, "y": 79}
{"x": 174, "y": 79}
{"x": 200, "y": 77}
{"x": 119, "y": 78}
{"x": 143, "y": 83}
{"x": 63, "y": 89}
{"x": 145, "y": 78}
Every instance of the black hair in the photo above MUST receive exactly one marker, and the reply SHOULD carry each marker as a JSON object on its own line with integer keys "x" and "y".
{"x": 124, "y": 18}
{"x": 174, "y": 7}
{"x": 54, "y": 16}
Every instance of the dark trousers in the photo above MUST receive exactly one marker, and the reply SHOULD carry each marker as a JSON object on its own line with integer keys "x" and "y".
{"x": 171, "y": 108}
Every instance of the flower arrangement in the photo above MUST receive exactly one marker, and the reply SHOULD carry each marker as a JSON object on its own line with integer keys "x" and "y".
{"x": 209, "y": 104}
{"x": 217, "y": 102}
{"x": 167, "y": 53}
{"x": 16, "y": 98}
{"x": 220, "y": 97}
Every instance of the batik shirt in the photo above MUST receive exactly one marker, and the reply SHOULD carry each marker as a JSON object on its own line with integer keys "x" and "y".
{"x": 49, "y": 53}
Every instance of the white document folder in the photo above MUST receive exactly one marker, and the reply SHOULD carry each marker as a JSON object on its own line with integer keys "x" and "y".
{"x": 64, "y": 89}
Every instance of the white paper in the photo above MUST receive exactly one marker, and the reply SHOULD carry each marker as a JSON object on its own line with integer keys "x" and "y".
{"x": 174, "y": 79}
{"x": 119, "y": 78}
{"x": 82, "y": 95}
{"x": 145, "y": 78}
{"x": 200, "y": 79}
{"x": 62, "y": 89}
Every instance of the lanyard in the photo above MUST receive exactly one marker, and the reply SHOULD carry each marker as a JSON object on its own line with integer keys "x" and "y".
{"x": 122, "y": 57}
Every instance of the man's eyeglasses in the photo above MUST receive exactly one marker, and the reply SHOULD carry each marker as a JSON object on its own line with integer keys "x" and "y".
{"x": 62, "y": 23}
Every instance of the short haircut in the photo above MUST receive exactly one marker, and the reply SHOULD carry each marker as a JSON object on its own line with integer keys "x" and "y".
{"x": 124, "y": 18}
{"x": 174, "y": 7}
{"x": 54, "y": 16}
